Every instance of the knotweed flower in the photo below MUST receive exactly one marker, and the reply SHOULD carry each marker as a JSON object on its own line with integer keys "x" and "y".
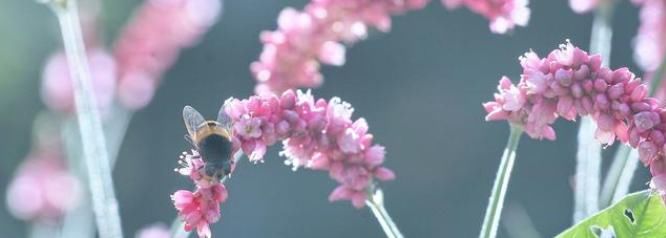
{"x": 200, "y": 208}
{"x": 57, "y": 89}
{"x": 649, "y": 48}
{"x": 42, "y": 190}
{"x": 570, "y": 83}
{"x": 503, "y": 15}
{"x": 292, "y": 54}
{"x": 315, "y": 134}
{"x": 151, "y": 42}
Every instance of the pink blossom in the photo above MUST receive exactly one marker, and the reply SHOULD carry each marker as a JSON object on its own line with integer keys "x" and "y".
{"x": 316, "y": 134}
{"x": 577, "y": 85}
{"x": 649, "y": 49}
{"x": 292, "y": 54}
{"x": 200, "y": 208}
{"x": 42, "y": 189}
{"x": 57, "y": 89}
{"x": 150, "y": 43}
{"x": 158, "y": 230}
{"x": 503, "y": 15}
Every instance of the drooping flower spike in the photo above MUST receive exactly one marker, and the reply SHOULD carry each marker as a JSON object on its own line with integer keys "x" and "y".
{"x": 200, "y": 208}
{"x": 292, "y": 54}
{"x": 305, "y": 39}
{"x": 570, "y": 83}
{"x": 315, "y": 134}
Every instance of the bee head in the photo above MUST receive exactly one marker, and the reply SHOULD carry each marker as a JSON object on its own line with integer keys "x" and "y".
{"x": 214, "y": 172}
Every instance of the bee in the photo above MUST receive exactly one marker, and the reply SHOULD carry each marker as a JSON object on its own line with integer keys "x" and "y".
{"x": 213, "y": 141}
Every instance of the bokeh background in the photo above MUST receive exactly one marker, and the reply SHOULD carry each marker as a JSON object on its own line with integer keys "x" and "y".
{"x": 420, "y": 87}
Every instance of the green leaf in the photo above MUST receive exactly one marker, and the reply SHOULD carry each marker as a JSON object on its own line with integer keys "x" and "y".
{"x": 640, "y": 214}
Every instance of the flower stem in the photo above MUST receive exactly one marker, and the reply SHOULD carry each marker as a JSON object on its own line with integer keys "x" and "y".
{"x": 376, "y": 203}
{"x": 94, "y": 149}
{"x": 588, "y": 157}
{"x": 496, "y": 201}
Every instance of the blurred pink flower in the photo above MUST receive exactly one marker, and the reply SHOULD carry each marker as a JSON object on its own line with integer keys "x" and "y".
{"x": 158, "y": 230}
{"x": 315, "y": 134}
{"x": 42, "y": 189}
{"x": 503, "y": 15}
{"x": 583, "y": 6}
{"x": 150, "y": 43}
{"x": 649, "y": 47}
{"x": 569, "y": 83}
{"x": 292, "y": 54}
{"x": 57, "y": 89}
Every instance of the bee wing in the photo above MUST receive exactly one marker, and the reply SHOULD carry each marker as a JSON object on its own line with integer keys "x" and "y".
{"x": 224, "y": 119}
{"x": 193, "y": 119}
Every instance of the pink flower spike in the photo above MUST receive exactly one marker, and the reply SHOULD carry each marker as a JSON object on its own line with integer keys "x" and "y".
{"x": 577, "y": 85}
{"x": 316, "y": 134}
{"x": 305, "y": 39}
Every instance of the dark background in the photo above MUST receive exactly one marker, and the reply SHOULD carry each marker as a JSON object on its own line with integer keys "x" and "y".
{"x": 420, "y": 87}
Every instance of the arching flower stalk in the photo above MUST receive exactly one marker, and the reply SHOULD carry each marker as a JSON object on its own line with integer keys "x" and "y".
{"x": 293, "y": 53}
{"x": 569, "y": 83}
{"x": 317, "y": 35}
{"x": 315, "y": 134}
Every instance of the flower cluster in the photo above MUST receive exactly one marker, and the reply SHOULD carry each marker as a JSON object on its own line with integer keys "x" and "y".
{"x": 315, "y": 134}
{"x": 649, "y": 48}
{"x": 292, "y": 54}
{"x": 147, "y": 47}
{"x": 43, "y": 190}
{"x": 570, "y": 83}
{"x": 151, "y": 42}
{"x": 503, "y": 15}
{"x": 200, "y": 208}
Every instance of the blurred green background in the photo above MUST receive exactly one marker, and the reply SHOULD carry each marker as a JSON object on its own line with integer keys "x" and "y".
{"x": 420, "y": 87}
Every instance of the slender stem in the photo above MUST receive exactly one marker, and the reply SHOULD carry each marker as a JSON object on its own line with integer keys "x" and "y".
{"x": 496, "y": 201}
{"x": 376, "y": 203}
{"x": 624, "y": 181}
{"x": 95, "y": 153}
{"x": 588, "y": 157}
{"x": 613, "y": 177}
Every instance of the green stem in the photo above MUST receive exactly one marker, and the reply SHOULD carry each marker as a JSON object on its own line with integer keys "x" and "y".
{"x": 588, "y": 156}
{"x": 95, "y": 153}
{"x": 376, "y": 203}
{"x": 496, "y": 201}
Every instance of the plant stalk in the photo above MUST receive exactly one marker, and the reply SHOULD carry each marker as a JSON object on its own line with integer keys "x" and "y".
{"x": 376, "y": 203}
{"x": 496, "y": 201}
{"x": 588, "y": 157}
{"x": 100, "y": 181}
